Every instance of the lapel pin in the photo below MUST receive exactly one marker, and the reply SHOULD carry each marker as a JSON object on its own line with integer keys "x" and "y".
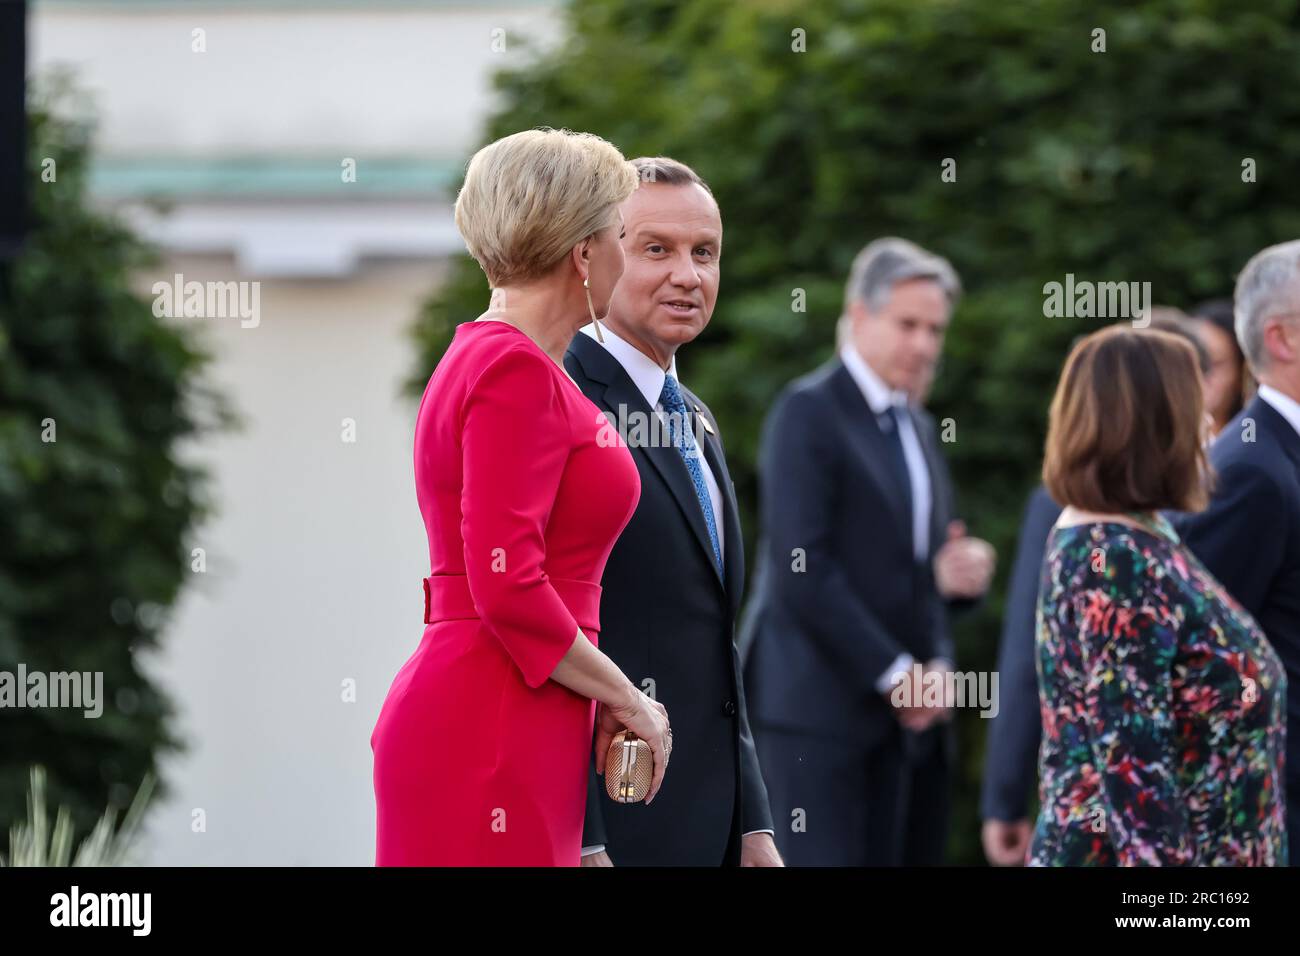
{"x": 707, "y": 427}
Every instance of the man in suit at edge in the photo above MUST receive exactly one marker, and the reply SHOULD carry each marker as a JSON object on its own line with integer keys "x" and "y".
{"x": 1249, "y": 536}
{"x": 861, "y": 557}
{"x": 1011, "y": 748}
{"x": 672, "y": 586}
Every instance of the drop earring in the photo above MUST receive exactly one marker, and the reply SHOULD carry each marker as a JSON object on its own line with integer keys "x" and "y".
{"x": 586, "y": 285}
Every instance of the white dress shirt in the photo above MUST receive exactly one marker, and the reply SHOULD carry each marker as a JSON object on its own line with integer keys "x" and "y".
{"x": 880, "y": 398}
{"x": 649, "y": 381}
{"x": 1285, "y": 405}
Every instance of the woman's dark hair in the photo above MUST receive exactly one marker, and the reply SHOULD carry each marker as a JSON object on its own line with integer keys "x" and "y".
{"x": 1219, "y": 313}
{"x": 1125, "y": 427}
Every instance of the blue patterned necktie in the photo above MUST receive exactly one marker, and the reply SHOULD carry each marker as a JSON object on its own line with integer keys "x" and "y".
{"x": 683, "y": 439}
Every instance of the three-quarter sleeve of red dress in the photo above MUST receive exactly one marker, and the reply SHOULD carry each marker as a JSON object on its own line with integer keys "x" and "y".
{"x": 515, "y": 441}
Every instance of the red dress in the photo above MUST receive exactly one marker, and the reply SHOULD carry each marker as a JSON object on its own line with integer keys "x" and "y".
{"x": 479, "y": 758}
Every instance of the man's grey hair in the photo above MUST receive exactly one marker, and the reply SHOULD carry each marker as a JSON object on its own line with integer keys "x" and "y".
{"x": 883, "y": 264}
{"x": 886, "y": 262}
{"x": 1269, "y": 285}
{"x": 668, "y": 172}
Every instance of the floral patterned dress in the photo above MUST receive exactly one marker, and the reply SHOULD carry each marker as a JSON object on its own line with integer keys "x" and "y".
{"x": 1163, "y": 709}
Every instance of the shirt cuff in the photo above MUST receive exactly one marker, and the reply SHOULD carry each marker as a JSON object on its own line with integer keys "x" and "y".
{"x": 773, "y": 832}
{"x": 589, "y": 850}
{"x": 902, "y": 664}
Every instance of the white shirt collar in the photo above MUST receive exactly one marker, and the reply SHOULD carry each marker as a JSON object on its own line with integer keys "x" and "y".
{"x": 879, "y": 396}
{"x": 645, "y": 374}
{"x": 1286, "y": 406}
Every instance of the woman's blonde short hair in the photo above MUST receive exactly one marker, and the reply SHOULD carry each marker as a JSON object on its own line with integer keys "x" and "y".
{"x": 531, "y": 197}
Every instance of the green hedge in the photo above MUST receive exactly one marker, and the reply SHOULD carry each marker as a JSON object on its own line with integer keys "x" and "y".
{"x": 94, "y": 525}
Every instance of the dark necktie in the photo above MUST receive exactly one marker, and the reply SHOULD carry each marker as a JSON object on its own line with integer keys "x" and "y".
{"x": 890, "y": 424}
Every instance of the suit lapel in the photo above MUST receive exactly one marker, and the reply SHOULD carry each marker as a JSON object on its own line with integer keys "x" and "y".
{"x": 866, "y": 433}
{"x": 1277, "y": 425}
{"x": 734, "y": 551}
{"x": 620, "y": 396}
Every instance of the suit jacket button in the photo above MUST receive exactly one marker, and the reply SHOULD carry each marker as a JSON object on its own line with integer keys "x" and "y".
{"x": 729, "y": 708}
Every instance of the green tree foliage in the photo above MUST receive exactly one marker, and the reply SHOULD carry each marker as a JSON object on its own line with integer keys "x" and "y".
{"x": 94, "y": 524}
{"x": 1122, "y": 165}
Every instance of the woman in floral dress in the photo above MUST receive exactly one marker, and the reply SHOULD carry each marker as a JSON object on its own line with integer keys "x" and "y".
{"x": 1162, "y": 701}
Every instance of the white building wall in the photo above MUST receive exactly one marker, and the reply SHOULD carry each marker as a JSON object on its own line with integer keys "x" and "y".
{"x": 312, "y": 580}
{"x": 373, "y": 77}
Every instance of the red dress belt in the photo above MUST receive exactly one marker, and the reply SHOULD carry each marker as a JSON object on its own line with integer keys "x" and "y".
{"x": 447, "y": 598}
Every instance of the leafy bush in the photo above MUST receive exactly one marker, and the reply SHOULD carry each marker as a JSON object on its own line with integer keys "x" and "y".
{"x": 94, "y": 524}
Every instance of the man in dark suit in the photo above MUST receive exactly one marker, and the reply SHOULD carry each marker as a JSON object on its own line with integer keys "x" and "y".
{"x": 672, "y": 586}
{"x": 861, "y": 555}
{"x": 1011, "y": 757}
{"x": 1249, "y": 536}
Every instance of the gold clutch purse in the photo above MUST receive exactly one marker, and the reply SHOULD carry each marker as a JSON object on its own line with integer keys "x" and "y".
{"x": 629, "y": 768}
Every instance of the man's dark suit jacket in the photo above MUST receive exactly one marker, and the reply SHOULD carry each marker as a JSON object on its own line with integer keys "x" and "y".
{"x": 666, "y": 614}
{"x": 1249, "y": 538}
{"x": 1011, "y": 760}
{"x": 840, "y": 593}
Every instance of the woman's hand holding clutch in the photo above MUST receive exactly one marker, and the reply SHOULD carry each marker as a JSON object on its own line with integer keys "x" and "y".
{"x": 644, "y": 717}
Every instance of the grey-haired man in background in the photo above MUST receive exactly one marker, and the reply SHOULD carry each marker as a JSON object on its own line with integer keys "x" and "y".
{"x": 1249, "y": 536}
{"x": 861, "y": 557}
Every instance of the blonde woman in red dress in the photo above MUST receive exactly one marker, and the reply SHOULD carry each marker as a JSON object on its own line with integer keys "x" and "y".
{"x": 481, "y": 748}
